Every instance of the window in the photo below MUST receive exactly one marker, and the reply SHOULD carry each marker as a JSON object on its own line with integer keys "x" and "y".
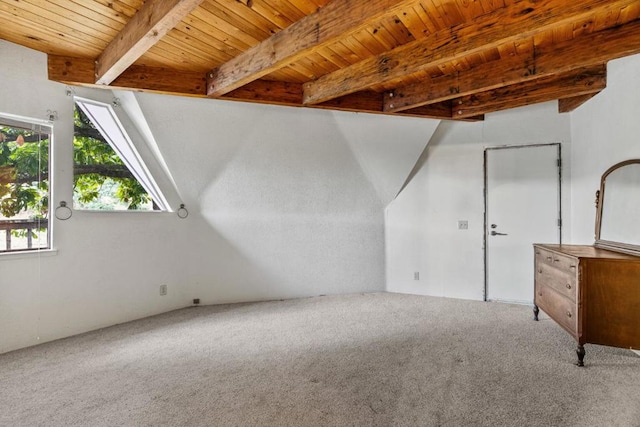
{"x": 24, "y": 184}
{"x": 109, "y": 174}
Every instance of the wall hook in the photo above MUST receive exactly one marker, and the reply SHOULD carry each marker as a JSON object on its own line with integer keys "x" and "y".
{"x": 182, "y": 211}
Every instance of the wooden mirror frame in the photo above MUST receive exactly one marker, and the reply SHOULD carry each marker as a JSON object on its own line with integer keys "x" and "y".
{"x": 626, "y": 248}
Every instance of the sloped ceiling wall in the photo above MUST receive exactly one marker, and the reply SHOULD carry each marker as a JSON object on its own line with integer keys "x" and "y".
{"x": 284, "y": 202}
{"x": 386, "y": 151}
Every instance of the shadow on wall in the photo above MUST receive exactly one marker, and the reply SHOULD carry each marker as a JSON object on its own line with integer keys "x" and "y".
{"x": 385, "y": 148}
{"x": 280, "y": 206}
{"x": 300, "y": 212}
{"x": 440, "y": 134}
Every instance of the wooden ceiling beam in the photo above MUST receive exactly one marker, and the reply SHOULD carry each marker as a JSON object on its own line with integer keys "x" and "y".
{"x": 489, "y": 75}
{"x": 269, "y": 92}
{"x": 518, "y": 21}
{"x": 576, "y": 83}
{"x": 563, "y": 57}
{"x": 567, "y": 105}
{"x": 290, "y": 94}
{"x": 373, "y": 102}
{"x": 441, "y": 110}
{"x": 154, "y": 19}
{"x": 80, "y": 72}
{"x": 337, "y": 19}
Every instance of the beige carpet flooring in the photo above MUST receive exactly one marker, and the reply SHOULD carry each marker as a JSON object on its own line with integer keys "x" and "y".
{"x": 352, "y": 360}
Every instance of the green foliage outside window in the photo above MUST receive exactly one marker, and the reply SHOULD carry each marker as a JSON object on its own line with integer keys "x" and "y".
{"x": 24, "y": 172}
{"x": 24, "y": 186}
{"x": 101, "y": 180}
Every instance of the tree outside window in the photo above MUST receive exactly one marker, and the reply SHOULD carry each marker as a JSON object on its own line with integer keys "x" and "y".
{"x": 24, "y": 186}
{"x": 101, "y": 179}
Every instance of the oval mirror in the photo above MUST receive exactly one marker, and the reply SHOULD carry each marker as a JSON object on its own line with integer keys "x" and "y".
{"x": 617, "y": 224}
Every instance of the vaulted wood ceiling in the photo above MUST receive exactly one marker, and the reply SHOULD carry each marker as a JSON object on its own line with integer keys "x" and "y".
{"x": 452, "y": 59}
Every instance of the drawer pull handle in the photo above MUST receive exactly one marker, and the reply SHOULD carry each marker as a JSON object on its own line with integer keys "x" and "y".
{"x": 572, "y": 266}
{"x": 539, "y": 294}
{"x": 569, "y": 313}
{"x": 549, "y": 258}
{"x": 537, "y": 252}
{"x": 556, "y": 260}
{"x": 539, "y": 270}
{"x": 568, "y": 285}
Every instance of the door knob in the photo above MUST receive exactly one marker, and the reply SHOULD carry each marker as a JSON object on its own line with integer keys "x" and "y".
{"x": 495, "y": 233}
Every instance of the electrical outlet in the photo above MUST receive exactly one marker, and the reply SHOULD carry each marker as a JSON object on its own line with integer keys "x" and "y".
{"x": 163, "y": 290}
{"x": 463, "y": 224}
{"x": 416, "y": 275}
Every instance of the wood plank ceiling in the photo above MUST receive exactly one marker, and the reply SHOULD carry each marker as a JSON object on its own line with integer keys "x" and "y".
{"x": 448, "y": 59}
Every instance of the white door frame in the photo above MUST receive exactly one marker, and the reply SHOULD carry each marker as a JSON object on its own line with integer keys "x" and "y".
{"x": 486, "y": 219}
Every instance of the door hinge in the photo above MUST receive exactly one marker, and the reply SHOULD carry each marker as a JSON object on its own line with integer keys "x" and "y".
{"x": 559, "y": 222}
{"x": 559, "y": 163}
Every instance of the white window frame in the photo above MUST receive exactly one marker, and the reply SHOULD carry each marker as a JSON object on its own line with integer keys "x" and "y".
{"x": 104, "y": 118}
{"x": 41, "y": 126}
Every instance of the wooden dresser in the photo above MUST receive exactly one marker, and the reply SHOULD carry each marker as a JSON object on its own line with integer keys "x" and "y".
{"x": 594, "y": 294}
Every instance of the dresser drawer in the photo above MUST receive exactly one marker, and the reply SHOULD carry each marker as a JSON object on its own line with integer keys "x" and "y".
{"x": 562, "y": 281}
{"x": 559, "y": 261}
{"x": 558, "y": 307}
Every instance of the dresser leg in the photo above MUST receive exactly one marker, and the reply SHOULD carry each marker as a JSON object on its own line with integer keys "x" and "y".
{"x": 536, "y": 310}
{"x": 580, "y": 352}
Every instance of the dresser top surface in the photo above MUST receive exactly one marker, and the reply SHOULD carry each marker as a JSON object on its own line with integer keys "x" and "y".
{"x": 586, "y": 251}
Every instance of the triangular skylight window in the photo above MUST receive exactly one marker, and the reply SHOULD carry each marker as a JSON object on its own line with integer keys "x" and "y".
{"x": 109, "y": 174}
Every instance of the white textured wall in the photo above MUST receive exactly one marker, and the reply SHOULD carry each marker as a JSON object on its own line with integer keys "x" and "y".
{"x": 108, "y": 266}
{"x": 447, "y": 186}
{"x": 605, "y": 131}
{"x": 285, "y": 202}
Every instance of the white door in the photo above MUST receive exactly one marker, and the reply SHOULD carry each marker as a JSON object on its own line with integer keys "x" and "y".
{"x": 522, "y": 208}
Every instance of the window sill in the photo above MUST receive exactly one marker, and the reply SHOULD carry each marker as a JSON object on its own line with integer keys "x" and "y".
{"x": 12, "y": 256}
{"x": 110, "y": 211}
